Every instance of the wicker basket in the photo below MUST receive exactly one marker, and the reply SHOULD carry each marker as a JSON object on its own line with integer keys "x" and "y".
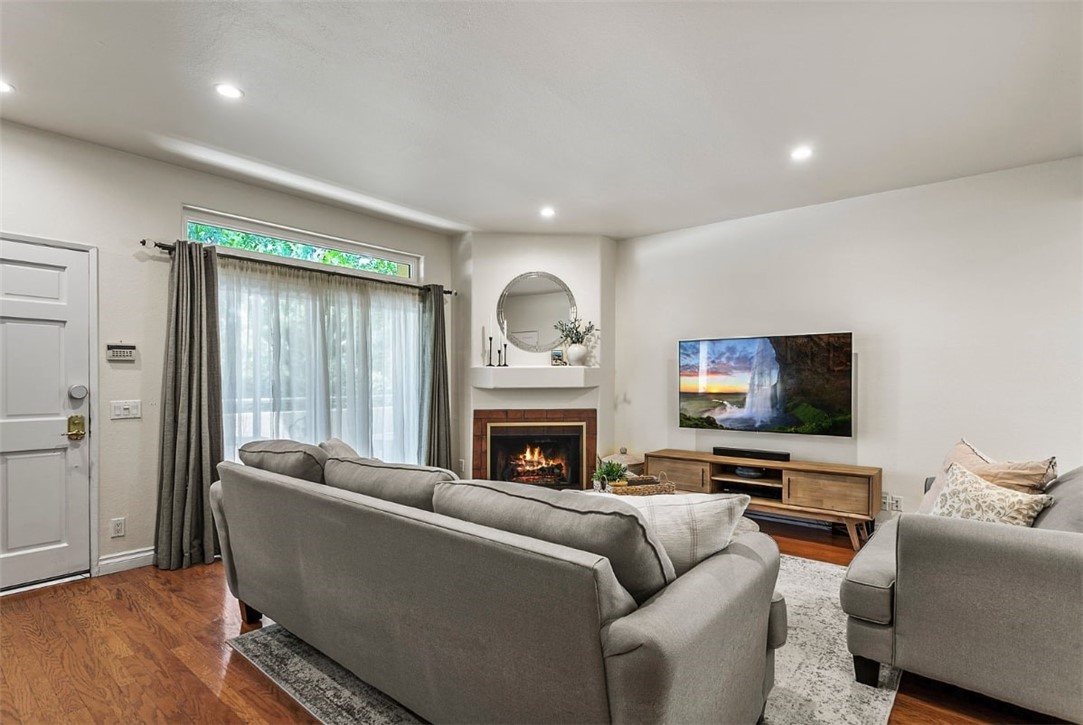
{"x": 643, "y": 486}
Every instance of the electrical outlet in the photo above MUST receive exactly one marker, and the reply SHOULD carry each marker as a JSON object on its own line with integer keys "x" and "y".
{"x": 116, "y": 527}
{"x": 462, "y": 466}
{"x": 896, "y": 503}
{"x": 885, "y": 501}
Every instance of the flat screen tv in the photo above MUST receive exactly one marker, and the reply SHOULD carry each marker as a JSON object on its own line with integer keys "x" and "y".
{"x": 785, "y": 384}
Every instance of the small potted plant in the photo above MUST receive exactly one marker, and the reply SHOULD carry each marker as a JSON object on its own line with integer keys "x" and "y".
{"x": 611, "y": 472}
{"x": 574, "y": 333}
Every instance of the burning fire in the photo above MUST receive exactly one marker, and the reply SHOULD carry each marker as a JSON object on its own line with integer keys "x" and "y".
{"x": 533, "y": 466}
{"x": 535, "y": 456}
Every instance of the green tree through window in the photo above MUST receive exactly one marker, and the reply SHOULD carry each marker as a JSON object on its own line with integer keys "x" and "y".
{"x": 223, "y": 237}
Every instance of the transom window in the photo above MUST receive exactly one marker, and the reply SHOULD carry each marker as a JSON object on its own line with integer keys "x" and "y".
{"x": 250, "y": 236}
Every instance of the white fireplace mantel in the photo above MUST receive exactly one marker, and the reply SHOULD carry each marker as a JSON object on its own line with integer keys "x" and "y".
{"x": 535, "y": 376}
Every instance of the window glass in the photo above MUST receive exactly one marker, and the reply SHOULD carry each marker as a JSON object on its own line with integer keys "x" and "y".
{"x": 262, "y": 244}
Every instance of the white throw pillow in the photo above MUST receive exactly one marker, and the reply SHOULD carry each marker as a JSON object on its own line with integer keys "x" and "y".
{"x": 693, "y": 526}
{"x": 968, "y": 496}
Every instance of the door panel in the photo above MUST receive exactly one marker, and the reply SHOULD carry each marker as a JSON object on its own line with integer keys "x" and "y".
{"x": 32, "y": 363}
{"x": 35, "y": 495}
{"x": 44, "y": 349}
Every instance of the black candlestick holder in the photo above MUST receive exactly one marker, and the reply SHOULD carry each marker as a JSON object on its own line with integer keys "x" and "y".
{"x": 505, "y": 355}
{"x": 490, "y": 363}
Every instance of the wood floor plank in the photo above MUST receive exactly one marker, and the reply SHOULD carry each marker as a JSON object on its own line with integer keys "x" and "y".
{"x": 40, "y": 655}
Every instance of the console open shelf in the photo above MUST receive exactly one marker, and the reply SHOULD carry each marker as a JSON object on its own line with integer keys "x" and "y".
{"x": 834, "y": 492}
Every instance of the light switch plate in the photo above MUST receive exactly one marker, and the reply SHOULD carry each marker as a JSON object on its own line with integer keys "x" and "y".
{"x": 120, "y": 409}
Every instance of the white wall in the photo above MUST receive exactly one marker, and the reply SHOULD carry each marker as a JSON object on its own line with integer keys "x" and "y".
{"x": 484, "y": 264}
{"x": 55, "y": 187}
{"x": 964, "y": 298}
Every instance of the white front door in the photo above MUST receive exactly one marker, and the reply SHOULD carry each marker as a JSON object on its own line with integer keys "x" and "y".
{"x": 44, "y": 351}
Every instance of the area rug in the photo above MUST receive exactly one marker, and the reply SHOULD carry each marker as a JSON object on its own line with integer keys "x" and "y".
{"x": 814, "y": 673}
{"x": 814, "y": 680}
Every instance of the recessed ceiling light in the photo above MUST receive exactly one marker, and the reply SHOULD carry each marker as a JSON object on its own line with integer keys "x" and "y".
{"x": 801, "y": 153}
{"x": 548, "y": 211}
{"x": 225, "y": 89}
{"x": 6, "y": 87}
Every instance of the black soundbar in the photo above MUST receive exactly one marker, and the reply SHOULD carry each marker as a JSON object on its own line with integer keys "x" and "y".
{"x": 751, "y": 453}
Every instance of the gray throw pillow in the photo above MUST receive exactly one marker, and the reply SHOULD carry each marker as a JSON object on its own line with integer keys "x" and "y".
{"x": 1066, "y": 513}
{"x": 397, "y": 482}
{"x": 289, "y": 458}
{"x": 596, "y": 524}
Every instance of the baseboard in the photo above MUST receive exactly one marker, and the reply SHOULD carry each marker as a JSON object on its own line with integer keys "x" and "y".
{"x": 125, "y": 560}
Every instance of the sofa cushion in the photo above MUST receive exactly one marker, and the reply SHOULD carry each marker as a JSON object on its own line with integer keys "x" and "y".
{"x": 597, "y": 524}
{"x": 286, "y": 457}
{"x": 968, "y": 496}
{"x": 868, "y": 590}
{"x": 338, "y": 448}
{"x": 399, "y": 482}
{"x": 691, "y": 526}
{"x": 1066, "y": 512}
{"x": 1023, "y": 476}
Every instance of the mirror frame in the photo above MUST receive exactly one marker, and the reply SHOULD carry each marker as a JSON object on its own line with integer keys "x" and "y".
{"x": 503, "y": 323}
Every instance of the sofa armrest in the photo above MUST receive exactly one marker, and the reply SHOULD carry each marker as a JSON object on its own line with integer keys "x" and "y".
{"x": 218, "y": 511}
{"x": 698, "y": 648}
{"x": 993, "y": 608}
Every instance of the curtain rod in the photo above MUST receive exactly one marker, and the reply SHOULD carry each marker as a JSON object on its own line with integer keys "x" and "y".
{"x": 167, "y": 247}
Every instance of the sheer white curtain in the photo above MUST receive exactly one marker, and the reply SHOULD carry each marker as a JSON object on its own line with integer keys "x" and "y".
{"x": 308, "y": 355}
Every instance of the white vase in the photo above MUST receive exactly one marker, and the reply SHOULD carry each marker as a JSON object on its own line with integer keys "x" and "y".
{"x": 577, "y": 354}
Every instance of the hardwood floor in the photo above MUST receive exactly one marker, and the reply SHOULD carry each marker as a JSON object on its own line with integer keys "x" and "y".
{"x": 148, "y": 646}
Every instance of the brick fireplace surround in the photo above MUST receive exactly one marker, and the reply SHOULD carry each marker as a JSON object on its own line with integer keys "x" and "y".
{"x": 482, "y": 418}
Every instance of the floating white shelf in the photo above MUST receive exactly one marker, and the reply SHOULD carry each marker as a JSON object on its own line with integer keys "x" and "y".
{"x": 535, "y": 376}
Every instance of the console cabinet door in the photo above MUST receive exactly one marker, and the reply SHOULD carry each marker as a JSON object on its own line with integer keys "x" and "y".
{"x": 848, "y": 494}
{"x": 687, "y": 475}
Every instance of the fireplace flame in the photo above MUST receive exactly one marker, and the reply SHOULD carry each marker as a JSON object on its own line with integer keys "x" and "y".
{"x": 533, "y": 466}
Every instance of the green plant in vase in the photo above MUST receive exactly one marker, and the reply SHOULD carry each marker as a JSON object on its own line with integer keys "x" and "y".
{"x": 611, "y": 472}
{"x": 574, "y": 333}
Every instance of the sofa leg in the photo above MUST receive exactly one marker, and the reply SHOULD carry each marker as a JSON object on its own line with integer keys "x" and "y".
{"x": 866, "y": 671}
{"x": 248, "y": 614}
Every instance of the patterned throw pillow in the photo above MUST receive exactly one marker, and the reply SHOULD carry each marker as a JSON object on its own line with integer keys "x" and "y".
{"x": 967, "y": 496}
{"x": 1022, "y": 476}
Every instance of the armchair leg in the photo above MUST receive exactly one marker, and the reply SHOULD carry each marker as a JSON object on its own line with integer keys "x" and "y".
{"x": 866, "y": 671}
{"x": 248, "y": 614}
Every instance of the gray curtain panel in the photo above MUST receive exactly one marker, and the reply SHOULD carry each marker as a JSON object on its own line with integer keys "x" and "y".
{"x": 435, "y": 408}
{"x": 191, "y": 436}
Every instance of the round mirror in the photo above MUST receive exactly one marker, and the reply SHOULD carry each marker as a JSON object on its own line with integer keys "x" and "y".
{"x": 530, "y": 306}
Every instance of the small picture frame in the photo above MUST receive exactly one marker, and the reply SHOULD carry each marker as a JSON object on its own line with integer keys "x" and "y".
{"x": 556, "y": 357}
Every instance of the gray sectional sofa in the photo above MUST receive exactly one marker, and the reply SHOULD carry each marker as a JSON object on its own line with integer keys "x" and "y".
{"x": 463, "y": 622}
{"x": 989, "y": 607}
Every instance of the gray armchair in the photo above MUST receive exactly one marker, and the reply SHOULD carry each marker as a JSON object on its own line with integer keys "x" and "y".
{"x": 993, "y": 608}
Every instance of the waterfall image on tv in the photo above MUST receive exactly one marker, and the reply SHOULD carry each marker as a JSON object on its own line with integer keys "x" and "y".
{"x": 786, "y": 384}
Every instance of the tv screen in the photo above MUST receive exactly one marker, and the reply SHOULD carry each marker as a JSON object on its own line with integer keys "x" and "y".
{"x": 785, "y": 384}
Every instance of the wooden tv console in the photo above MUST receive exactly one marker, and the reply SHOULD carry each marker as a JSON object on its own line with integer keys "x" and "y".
{"x": 841, "y": 494}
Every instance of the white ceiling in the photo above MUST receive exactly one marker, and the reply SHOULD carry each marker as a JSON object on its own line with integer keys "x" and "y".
{"x": 629, "y": 118}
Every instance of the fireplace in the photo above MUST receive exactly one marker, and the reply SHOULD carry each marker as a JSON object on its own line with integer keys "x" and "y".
{"x": 543, "y": 454}
{"x": 549, "y": 448}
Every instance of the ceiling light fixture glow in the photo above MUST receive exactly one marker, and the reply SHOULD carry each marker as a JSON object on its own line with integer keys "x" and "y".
{"x": 548, "y": 212}
{"x": 6, "y": 87}
{"x": 801, "y": 153}
{"x": 225, "y": 89}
